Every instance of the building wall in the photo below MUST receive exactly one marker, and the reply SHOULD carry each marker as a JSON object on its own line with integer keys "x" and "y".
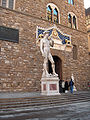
{"x": 89, "y": 42}
{"x": 38, "y": 9}
{"x": 22, "y": 63}
{"x": 88, "y": 30}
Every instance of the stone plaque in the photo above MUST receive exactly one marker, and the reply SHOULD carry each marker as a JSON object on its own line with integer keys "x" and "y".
{"x": 44, "y": 87}
{"x": 9, "y": 34}
{"x": 53, "y": 86}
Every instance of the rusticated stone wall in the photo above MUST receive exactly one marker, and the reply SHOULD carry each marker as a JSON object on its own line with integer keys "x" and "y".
{"x": 21, "y": 63}
{"x": 38, "y": 9}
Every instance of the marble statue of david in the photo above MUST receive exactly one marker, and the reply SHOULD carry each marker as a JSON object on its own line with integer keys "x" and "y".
{"x": 45, "y": 44}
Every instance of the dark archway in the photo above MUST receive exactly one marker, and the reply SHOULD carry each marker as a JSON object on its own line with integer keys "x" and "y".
{"x": 58, "y": 66}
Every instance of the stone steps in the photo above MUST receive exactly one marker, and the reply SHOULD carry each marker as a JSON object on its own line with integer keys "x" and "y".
{"x": 41, "y": 97}
{"x": 44, "y": 111}
{"x": 30, "y": 101}
{"x": 42, "y": 100}
{"x": 10, "y": 108}
{"x": 36, "y": 108}
{"x": 43, "y": 104}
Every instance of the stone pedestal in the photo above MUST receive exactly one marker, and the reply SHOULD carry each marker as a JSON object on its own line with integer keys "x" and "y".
{"x": 50, "y": 86}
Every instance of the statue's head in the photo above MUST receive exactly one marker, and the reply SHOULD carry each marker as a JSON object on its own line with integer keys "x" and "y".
{"x": 46, "y": 33}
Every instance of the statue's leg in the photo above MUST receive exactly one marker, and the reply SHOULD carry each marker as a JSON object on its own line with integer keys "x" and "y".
{"x": 53, "y": 64}
{"x": 45, "y": 66}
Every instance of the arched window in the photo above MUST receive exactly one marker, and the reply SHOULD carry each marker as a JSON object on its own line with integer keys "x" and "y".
{"x": 70, "y": 21}
{"x": 74, "y": 22}
{"x": 71, "y": 2}
{"x": 55, "y": 12}
{"x": 8, "y": 3}
{"x": 49, "y": 13}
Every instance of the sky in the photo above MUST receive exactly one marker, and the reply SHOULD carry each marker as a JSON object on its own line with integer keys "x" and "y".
{"x": 86, "y": 3}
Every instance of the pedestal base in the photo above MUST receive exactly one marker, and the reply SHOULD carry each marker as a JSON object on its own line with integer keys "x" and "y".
{"x": 50, "y": 86}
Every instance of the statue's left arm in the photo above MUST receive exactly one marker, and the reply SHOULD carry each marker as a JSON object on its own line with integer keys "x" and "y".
{"x": 51, "y": 41}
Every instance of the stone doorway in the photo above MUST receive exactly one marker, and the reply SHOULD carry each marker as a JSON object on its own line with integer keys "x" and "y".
{"x": 58, "y": 66}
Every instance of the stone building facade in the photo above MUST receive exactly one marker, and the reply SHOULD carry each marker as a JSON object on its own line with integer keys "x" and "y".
{"x": 21, "y": 63}
{"x": 87, "y": 12}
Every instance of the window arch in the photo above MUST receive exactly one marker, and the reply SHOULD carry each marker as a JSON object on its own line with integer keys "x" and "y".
{"x": 72, "y": 20}
{"x": 53, "y": 13}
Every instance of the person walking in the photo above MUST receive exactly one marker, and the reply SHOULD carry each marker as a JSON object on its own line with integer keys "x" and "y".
{"x": 60, "y": 86}
{"x": 63, "y": 86}
{"x": 74, "y": 88}
{"x": 66, "y": 86}
{"x": 71, "y": 83}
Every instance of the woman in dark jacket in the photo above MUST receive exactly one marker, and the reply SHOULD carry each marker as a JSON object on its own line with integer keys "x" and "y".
{"x": 66, "y": 86}
{"x": 71, "y": 83}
